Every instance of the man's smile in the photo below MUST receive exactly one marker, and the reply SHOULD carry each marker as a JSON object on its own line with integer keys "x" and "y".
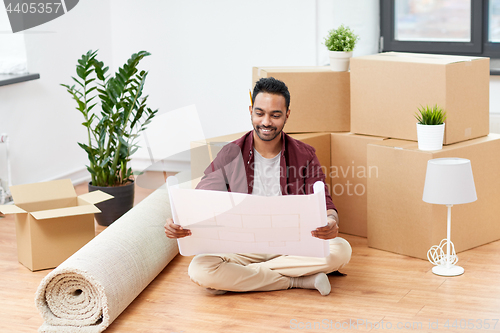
{"x": 267, "y": 130}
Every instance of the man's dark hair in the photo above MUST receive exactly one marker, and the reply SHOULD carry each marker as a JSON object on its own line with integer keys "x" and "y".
{"x": 272, "y": 86}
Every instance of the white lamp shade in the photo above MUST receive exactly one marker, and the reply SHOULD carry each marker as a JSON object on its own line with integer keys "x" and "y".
{"x": 449, "y": 181}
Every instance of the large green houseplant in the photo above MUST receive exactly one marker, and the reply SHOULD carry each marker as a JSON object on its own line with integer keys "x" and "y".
{"x": 114, "y": 112}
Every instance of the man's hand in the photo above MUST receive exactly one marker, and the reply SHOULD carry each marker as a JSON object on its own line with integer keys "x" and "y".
{"x": 331, "y": 230}
{"x": 173, "y": 230}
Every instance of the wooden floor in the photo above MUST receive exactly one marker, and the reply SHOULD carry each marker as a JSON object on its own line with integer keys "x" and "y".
{"x": 381, "y": 291}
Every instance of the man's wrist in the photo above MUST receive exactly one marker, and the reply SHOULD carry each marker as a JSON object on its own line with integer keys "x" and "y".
{"x": 333, "y": 215}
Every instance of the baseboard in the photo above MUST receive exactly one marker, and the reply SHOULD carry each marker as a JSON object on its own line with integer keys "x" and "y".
{"x": 77, "y": 176}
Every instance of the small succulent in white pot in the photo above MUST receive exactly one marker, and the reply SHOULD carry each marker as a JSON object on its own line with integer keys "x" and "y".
{"x": 340, "y": 42}
{"x": 430, "y": 127}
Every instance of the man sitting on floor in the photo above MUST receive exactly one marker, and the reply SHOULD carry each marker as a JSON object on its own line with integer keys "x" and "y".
{"x": 267, "y": 162}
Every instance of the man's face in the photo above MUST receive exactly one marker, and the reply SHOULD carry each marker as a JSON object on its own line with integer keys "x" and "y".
{"x": 269, "y": 115}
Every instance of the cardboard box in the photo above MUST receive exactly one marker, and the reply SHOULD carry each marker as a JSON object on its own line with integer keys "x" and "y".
{"x": 399, "y": 221}
{"x": 204, "y": 152}
{"x": 52, "y": 222}
{"x": 388, "y": 88}
{"x": 349, "y": 173}
{"x": 319, "y": 97}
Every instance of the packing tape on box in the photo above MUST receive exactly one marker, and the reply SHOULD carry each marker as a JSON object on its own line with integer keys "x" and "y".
{"x": 88, "y": 291}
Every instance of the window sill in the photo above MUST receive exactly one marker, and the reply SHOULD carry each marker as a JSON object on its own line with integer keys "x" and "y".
{"x": 6, "y": 79}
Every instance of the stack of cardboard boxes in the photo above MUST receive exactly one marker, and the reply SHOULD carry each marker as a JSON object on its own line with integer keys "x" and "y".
{"x": 386, "y": 90}
{"x": 362, "y": 125}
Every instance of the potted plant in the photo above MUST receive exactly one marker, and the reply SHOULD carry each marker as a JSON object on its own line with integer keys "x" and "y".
{"x": 430, "y": 127}
{"x": 113, "y": 126}
{"x": 340, "y": 42}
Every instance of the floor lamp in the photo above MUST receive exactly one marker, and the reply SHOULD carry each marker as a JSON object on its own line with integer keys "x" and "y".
{"x": 448, "y": 181}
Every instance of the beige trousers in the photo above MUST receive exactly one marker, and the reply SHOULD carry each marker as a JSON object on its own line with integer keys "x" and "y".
{"x": 261, "y": 272}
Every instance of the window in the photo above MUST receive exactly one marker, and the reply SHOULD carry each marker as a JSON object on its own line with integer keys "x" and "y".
{"x": 463, "y": 27}
{"x": 12, "y": 49}
{"x": 13, "y": 60}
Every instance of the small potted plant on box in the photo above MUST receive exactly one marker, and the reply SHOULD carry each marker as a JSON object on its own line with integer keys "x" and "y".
{"x": 112, "y": 128}
{"x": 430, "y": 127}
{"x": 340, "y": 42}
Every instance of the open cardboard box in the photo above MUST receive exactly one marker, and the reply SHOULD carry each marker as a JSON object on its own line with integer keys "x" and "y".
{"x": 52, "y": 222}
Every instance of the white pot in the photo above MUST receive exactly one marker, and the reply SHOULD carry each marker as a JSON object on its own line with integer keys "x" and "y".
{"x": 339, "y": 61}
{"x": 430, "y": 137}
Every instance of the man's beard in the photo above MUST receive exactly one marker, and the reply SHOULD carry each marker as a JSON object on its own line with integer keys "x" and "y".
{"x": 274, "y": 131}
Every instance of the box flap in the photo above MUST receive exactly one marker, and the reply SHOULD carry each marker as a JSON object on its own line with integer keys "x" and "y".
{"x": 398, "y": 144}
{"x": 11, "y": 209}
{"x": 61, "y": 212}
{"x": 304, "y": 136}
{"x": 46, "y": 191}
{"x": 95, "y": 197}
{"x": 294, "y": 69}
{"x": 226, "y": 138}
{"x": 413, "y": 145}
{"x": 420, "y": 58}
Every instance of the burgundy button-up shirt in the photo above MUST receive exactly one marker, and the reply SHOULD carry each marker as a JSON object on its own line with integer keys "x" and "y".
{"x": 233, "y": 168}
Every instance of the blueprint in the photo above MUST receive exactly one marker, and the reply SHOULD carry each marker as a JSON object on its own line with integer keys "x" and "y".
{"x": 228, "y": 222}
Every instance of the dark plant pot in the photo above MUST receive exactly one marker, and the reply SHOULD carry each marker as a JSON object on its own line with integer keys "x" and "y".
{"x": 112, "y": 209}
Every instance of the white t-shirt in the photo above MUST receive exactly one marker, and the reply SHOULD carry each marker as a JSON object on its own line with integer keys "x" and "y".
{"x": 266, "y": 175}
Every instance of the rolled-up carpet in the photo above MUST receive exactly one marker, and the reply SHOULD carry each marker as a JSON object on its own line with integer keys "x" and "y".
{"x": 92, "y": 287}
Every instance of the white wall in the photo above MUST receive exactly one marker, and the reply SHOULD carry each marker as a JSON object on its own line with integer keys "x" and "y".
{"x": 39, "y": 115}
{"x": 495, "y": 104}
{"x": 495, "y": 94}
{"x": 203, "y": 51}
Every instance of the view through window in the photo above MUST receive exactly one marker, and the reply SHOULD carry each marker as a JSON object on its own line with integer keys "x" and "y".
{"x": 433, "y": 20}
